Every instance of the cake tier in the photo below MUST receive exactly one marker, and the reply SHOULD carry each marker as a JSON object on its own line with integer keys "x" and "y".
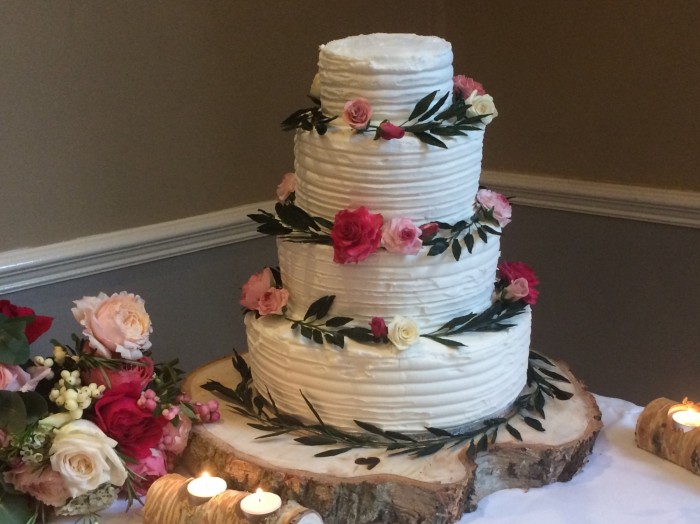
{"x": 344, "y": 169}
{"x": 431, "y": 290}
{"x": 392, "y": 71}
{"x": 427, "y": 385}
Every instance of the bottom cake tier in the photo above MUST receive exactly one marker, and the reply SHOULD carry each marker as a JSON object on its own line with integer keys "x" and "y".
{"x": 427, "y": 385}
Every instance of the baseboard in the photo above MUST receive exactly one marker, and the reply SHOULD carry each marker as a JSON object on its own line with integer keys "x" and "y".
{"x": 661, "y": 206}
{"x": 27, "y": 268}
{"x": 32, "y": 267}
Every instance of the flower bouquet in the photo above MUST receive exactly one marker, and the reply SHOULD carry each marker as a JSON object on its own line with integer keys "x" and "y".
{"x": 93, "y": 421}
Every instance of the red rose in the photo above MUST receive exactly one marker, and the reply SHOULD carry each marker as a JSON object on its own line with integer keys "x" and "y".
{"x": 511, "y": 271}
{"x": 136, "y": 430}
{"x": 378, "y": 327}
{"x": 33, "y": 329}
{"x": 429, "y": 230}
{"x": 387, "y": 131}
{"x": 139, "y": 372}
{"x": 356, "y": 235}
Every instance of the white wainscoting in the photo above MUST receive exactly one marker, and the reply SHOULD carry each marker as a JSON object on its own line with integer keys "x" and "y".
{"x": 32, "y": 267}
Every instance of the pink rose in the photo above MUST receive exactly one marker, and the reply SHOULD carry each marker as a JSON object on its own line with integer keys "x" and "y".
{"x": 32, "y": 330}
{"x": 116, "y": 325}
{"x": 517, "y": 289}
{"x": 148, "y": 469}
{"x": 14, "y": 378}
{"x": 510, "y": 272}
{"x": 387, "y": 131}
{"x": 429, "y": 230}
{"x": 495, "y": 203}
{"x": 400, "y": 235}
{"x": 44, "y": 484}
{"x": 286, "y": 187}
{"x": 357, "y": 113}
{"x": 355, "y": 234}
{"x": 465, "y": 86}
{"x": 378, "y": 327}
{"x": 127, "y": 372}
{"x": 272, "y": 301}
{"x": 256, "y": 286}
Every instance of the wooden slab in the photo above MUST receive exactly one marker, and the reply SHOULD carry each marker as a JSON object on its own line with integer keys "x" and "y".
{"x": 436, "y": 489}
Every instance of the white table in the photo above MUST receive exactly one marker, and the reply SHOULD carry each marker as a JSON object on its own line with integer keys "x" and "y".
{"x": 621, "y": 484}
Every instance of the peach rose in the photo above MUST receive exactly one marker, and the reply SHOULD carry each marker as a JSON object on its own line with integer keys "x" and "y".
{"x": 517, "y": 289}
{"x": 115, "y": 325}
{"x": 44, "y": 484}
{"x": 256, "y": 286}
{"x": 497, "y": 204}
{"x": 286, "y": 187}
{"x": 273, "y": 301}
{"x": 357, "y": 113}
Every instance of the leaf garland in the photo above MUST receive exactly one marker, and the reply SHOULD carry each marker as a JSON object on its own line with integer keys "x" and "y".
{"x": 452, "y": 121}
{"x": 295, "y": 225}
{"x": 335, "y": 329}
{"x": 526, "y": 408}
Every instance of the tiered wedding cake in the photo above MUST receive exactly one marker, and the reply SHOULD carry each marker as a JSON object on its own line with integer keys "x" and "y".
{"x": 389, "y": 306}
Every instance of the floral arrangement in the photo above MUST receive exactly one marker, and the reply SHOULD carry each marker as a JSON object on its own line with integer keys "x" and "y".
{"x": 430, "y": 121}
{"x": 91, "y": 422}
{"x": 357, "y": 233}
{"x": 515, "y": 289}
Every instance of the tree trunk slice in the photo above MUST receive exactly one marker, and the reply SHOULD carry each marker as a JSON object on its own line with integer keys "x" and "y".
{"x": 168, "y": 502}
{"x": 435, "y": 489}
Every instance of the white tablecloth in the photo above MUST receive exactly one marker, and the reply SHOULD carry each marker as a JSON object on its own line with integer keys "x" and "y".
{"x": 621, "y": 484}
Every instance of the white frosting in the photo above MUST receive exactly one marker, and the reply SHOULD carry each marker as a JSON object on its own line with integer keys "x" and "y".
{"x": 427, "y": 384}
{"x": 430, "y": 290}
{"x": 397, "y": 178}
{"x": 392, "y": 71}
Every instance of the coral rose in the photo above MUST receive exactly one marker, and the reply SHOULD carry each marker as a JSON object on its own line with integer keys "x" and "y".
{"x": 517, "y": 289}
{"x": 357, "y": 113}
{"x": 116, "y": 325}
{"x": 44, "y": 484}
{"x": 273, "y": 301}
{"x": 401, "y": 235}
{"x": 255, "y": 288}
{"x": 136, "y": 430}
{"x": 497, "y": 204}
{"x": 85, "y": 458}
{"x": 355, "y": 234}
{"x": 510, "y": 272}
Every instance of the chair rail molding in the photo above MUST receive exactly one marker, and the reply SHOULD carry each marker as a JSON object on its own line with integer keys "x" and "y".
{"x": 646, "y": 204}
{"x": 37, "y": 266}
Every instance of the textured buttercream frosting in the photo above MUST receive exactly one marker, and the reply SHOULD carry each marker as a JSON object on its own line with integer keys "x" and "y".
{"x": 393, "y": 71}
{"x": 427, "y": 385}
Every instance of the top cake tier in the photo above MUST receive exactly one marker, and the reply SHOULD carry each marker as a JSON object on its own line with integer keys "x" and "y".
{"x": 394, "y": 71}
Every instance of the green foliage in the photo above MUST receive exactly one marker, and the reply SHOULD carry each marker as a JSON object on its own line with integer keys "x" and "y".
{"x": 14, "y": 346}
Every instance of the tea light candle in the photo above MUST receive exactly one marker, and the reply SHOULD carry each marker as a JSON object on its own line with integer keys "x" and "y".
{"x": 686, "y": 419}
{"x": 260, "y": 503}
{"x": 201, "y": 489}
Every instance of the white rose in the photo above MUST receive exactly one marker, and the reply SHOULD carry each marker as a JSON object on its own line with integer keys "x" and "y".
{"x": 117, "y": 324}
{"x": 85, "y": 458}
{"x": 403, "y": 332}
{"x": 482, "y": 105}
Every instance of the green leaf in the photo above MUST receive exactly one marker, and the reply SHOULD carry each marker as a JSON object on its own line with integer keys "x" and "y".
{"x": 370, "y": 462}
{"x": 371, "y": 428}
{"x": 295, "y": 217}
{"x": 448, "y": 131}
{"x": 332, "y": 452}
{"x": 274, "y": 229}
{"x": 435, "y": 107}
{"x": 323, "y": 222}
{"x": 533, "y": 423}
{"x": 398, "y": 436}
{"x": 14, "y": 509}
{"x": 440, "y": 245}
{"x": 483, "y": 443}
{"x": 469, "y": 242}
{"x": 554, "y": 375}
{"x": 317, "y": 336}
{"x": 338, "y": 321}
{"x": 306, "y": 332}
{"x": 536, "y": 356}
{"x": 358, "y": 334}
{"x": 14, "y": 346}
{"x": 439, "y": 432}
{"x": 514, "y": 432}
{"x": 429, "y": 139}
{"x": 315, "y": 440}
{"x": 429, "y": 450}
{"x": 490, "y": 230}
{"x": 311, "y": 407}
{"x": 13, "y": 413}
{"x": 482, "y": 235}
{"x": 444, "y": 341}
{"x": 35, "y": 406}
{"x": 456, "y": 249}
{"x": 422, "y": 105}
{"x": 320, "y": 307}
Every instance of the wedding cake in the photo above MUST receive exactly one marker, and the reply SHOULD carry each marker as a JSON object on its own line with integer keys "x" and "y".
{"x": 389, "y": 306}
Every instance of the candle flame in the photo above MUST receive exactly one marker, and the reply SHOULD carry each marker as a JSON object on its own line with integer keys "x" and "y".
{"x": 204, "y": 475}
{"x": 691, "y": 405}
{"x": 259, "y": 493}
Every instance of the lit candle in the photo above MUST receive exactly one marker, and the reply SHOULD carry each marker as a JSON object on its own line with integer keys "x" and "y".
{"x": 260, "y": 503}
{"x": 201, "y": 489}
{"x": 686, "y": 419}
